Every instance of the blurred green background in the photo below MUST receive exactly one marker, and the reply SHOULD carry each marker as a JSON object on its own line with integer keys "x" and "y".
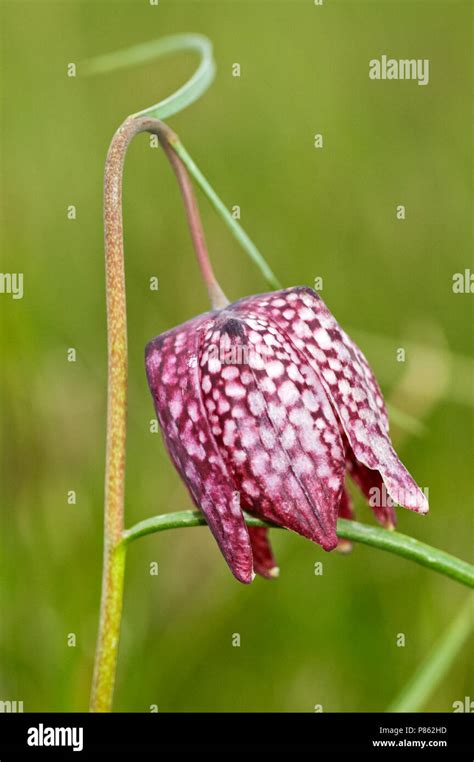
{"x": 330, "y": 212}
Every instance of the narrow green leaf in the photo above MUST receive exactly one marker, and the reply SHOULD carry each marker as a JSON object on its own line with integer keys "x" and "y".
{"x": 393, "y": 542}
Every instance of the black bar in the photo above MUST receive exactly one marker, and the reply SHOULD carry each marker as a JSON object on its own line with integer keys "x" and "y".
{"x": 426, "y": 734}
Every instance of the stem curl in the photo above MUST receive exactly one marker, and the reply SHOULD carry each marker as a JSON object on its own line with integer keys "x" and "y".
{"x": 148, "y": 51}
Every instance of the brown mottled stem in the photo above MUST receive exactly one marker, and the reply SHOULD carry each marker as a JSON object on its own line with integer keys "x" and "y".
{"x": 114, "y": 550}
{"x": 113, "y": 562}
{"x": 167, "y": 139}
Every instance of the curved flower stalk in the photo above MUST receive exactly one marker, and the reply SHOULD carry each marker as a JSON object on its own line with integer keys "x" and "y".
{"x": 263, "y": 405}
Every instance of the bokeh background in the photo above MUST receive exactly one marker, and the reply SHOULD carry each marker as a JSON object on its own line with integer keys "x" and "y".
{"x": 305, "y": 639}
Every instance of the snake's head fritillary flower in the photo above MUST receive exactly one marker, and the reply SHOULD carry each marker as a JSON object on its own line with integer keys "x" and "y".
{"x": 265, "y": 405}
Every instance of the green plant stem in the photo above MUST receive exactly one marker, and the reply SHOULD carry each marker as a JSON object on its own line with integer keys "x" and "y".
{"x": 438, "y": 662}
{"x": 393, "y": 542}
{"x": 105, "y": 666}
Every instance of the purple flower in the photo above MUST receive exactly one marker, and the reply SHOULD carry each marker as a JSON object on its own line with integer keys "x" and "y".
{"x": 264, "y": 406}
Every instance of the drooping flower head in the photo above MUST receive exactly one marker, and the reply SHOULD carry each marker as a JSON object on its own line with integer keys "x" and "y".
{"x": 265, "y": 405}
